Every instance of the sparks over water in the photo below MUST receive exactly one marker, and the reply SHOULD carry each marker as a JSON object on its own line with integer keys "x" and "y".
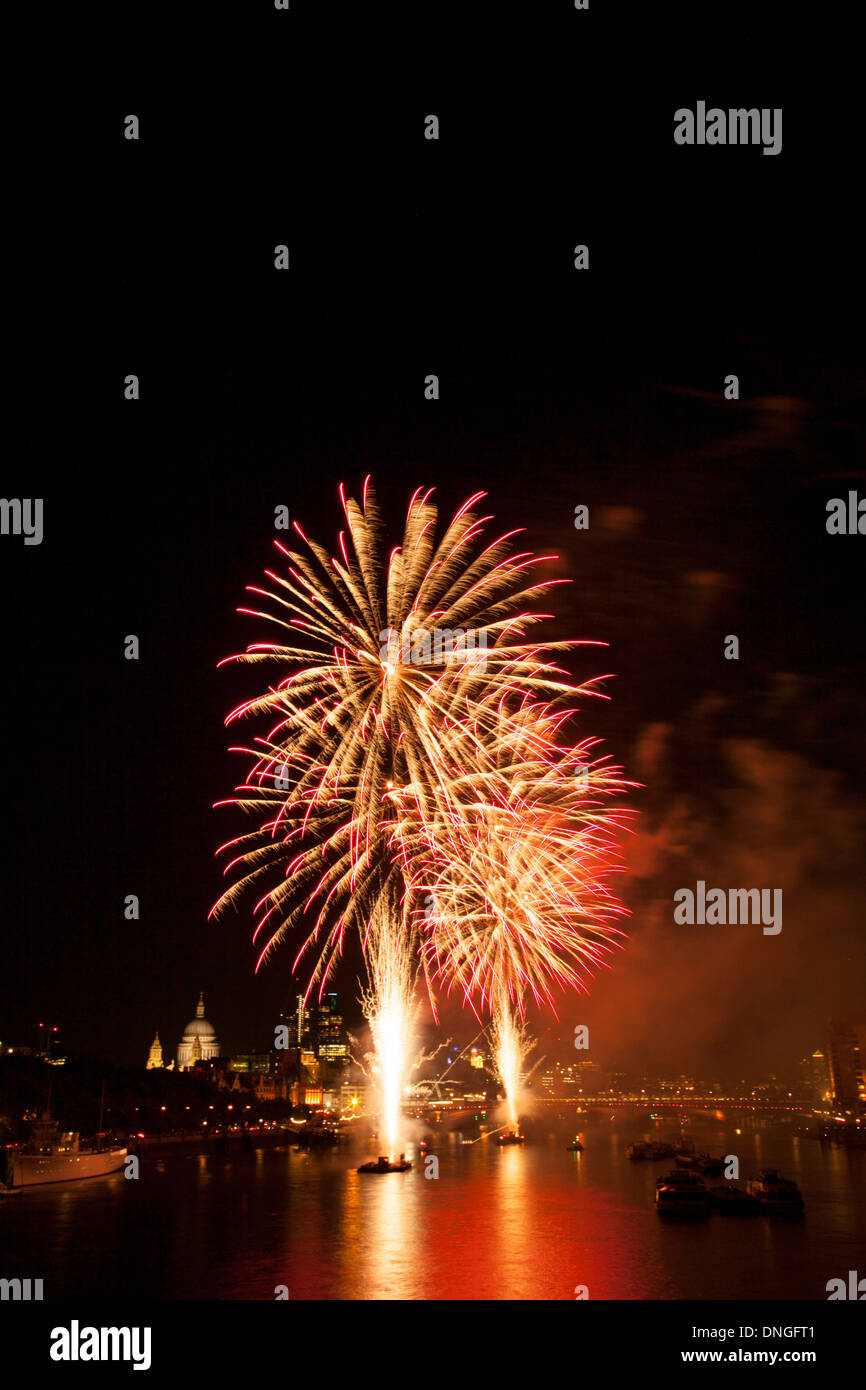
{"x": 415, "y": 750}
{"x": 390, "y": 1009}
{"x": 510, "y": 1047}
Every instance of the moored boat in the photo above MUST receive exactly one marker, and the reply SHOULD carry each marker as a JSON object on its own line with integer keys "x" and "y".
{"x": 683, "y": 1146}
{"x": 682, "y": 1194}
{"x": 713, "y": 1167}
{"x": 776, "y": 1195}
{"x": 51, "y": 1156}
{"x": 650, "y": 1150}
{"x": 679, "y": 1177}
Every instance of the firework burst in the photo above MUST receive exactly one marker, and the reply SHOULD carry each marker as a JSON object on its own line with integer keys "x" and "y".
{"x": 515, "y": 891}
{"x": 516, "y": 898}
{"x": 414, "y": 738}
{"x": 407, "y": 676}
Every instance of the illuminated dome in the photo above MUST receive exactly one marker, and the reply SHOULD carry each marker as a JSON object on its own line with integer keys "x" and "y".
{"x": 199, "y": 1039}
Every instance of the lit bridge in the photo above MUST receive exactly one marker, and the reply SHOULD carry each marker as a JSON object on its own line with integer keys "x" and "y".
{"x": 656, "y": 1104}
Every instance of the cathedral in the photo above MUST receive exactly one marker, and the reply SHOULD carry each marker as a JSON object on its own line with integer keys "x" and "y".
{"x": 199, "y": 1043}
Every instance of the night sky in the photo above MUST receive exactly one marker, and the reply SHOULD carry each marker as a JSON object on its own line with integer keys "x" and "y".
{"x": 558, "y": 387}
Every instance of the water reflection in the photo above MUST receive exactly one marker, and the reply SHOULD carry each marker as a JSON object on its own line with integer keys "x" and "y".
{"x": 527, "y": 1222}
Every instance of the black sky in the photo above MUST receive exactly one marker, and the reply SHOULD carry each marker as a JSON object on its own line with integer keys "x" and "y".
{"x": 557, "y": 388}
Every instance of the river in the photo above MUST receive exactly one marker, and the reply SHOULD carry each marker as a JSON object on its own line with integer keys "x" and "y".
{"x": 538, "y": 1222}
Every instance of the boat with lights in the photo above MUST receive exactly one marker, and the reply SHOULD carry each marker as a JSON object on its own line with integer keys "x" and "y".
{"x": 382, "y": 1164}
{"x": 681, "y": 1193}
{"x": 52, "y": 1156}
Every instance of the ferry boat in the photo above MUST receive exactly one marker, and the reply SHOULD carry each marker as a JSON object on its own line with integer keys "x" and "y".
{"x": 682, "y": 1194}
{"x": 777, "y": 1195}
{"x": 52, "y": 1156}
{"x": 383, "y": 1164}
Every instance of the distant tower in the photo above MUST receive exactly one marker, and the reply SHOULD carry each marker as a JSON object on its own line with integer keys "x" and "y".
{"x": 816, "y": 1076}
{"x": 154, "y": 1059}
{"x": 848, "y": 1064}
{"x": 200, "y": 1033}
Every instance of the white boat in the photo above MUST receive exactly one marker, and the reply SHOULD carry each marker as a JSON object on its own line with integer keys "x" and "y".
{"x": 50, "y": 1156}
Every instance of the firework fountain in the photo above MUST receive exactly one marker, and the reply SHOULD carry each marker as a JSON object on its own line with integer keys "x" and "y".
{"x": 390, "y": 1008}
{"x": 511, "y": 1046}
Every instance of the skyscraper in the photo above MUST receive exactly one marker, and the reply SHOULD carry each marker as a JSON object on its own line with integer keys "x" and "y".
{"x": 331, "y": 1042}
{"x": 848, "y": 1064}
{"x": 815, "y": 1077}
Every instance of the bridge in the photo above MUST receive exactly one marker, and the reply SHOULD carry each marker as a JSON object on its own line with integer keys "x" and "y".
{"x": 580, "y": 1106}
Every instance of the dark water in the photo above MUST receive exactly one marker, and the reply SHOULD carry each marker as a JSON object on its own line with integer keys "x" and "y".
{"x": 530, "y": 1223}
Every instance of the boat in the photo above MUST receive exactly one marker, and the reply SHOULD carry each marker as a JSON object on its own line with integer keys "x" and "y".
{"x": 321, "y": 1137}
{"x": 776, "y": 1195}
{"x": 52, "y": 1156}
{"x": 733, "y": 1201}
{"x": 705, "y": 1163}
{"x": 512, "y": 1137}
{"x": 679, "y": 1177}
{"x": 652, "y": 1150}
{"x": 682, "y": 1194}
{"x": 575, "y": 1146}
{"x": 382, "y": 1164}
{"x": 683, "y": 1146}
